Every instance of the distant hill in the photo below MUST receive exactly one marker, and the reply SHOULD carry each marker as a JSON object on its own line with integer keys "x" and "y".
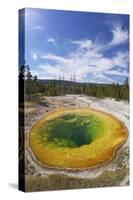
{"x": 67, "y": 83}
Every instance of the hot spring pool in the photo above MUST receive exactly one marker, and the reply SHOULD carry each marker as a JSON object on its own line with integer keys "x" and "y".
{"x": 76, "y": 138}
{"x": 71, "y": 130}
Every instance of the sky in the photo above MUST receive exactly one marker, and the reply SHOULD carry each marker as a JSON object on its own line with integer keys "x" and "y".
{"x": 87, "y": 47}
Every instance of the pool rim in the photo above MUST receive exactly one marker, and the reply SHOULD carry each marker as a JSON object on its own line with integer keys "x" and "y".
{"x": 115, "y": 149}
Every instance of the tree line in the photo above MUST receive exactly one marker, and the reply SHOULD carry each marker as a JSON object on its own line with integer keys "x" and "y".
{"x": 54, "y": 87}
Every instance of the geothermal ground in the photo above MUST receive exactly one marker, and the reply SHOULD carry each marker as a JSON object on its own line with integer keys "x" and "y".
{"x": 115, "y": 173}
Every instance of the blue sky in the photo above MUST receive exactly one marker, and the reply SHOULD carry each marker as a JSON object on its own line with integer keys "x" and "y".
{"x": 93, "y": 46}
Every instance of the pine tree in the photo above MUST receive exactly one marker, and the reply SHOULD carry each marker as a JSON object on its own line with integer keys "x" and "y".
{"x": 29, "y": 85}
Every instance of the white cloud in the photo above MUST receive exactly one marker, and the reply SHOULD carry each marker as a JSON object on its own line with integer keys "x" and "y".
{"x": 84, "y": 64}
{"x": 121, "y": 59}
{"x": 34, "y": 56}
{"x": 52, "y": 41}
{"x": 120, "y": 35}
{"x": 84, "y": 44}
{"x": 38, "y": 28}
{"x": 117, "y": 73}
{"x": 100, "y": 78}
{"x": 88, "y": 60}
{"x": 56, "y": 58}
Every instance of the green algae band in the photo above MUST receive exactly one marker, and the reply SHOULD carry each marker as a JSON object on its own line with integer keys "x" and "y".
{"x": 76, "y": 138}
{"x": 71, "y": 130}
